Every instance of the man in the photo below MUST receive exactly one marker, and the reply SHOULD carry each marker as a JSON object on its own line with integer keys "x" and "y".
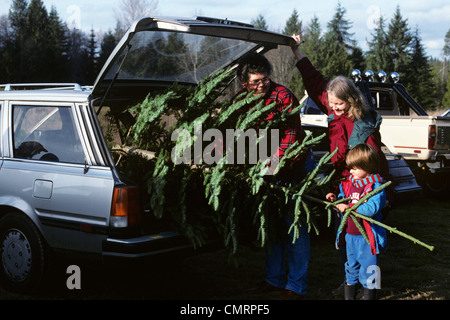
{"x": 254, "y": 72}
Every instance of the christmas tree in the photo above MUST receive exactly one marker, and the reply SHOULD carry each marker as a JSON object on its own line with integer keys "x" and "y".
{"x": 204, "y": 191}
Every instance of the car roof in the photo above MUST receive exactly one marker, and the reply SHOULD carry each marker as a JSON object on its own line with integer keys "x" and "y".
{"x": 45, "y": 92}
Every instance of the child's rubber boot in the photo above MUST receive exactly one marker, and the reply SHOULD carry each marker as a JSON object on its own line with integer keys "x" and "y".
{"x": 370, "y": 294}
{"x": 349, "y": 292}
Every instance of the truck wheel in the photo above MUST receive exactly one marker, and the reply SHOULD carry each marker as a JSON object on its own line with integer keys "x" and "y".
{"x": 437, "y": 185}
{"x": 22, "y": 254}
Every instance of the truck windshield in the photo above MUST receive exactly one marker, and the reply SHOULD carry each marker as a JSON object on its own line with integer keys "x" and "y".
{"x": 174, "y": 56}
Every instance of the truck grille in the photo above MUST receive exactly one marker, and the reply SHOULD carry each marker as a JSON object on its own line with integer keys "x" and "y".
{"x": 443, "y": 138}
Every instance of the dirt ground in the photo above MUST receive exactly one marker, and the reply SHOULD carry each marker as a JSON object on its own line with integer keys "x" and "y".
{"x": 408, "y": 271}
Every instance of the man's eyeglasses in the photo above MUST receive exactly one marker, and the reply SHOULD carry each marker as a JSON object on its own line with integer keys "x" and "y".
{"x": 255, "y": 83}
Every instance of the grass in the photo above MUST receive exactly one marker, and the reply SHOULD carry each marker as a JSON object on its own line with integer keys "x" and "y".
{"x": 408, "y": 271}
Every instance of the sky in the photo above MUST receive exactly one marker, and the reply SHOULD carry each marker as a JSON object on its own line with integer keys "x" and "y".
{"x": 430, "y": 17}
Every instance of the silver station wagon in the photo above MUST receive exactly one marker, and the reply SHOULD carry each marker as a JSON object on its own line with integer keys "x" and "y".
{"x": 60, "y": 189}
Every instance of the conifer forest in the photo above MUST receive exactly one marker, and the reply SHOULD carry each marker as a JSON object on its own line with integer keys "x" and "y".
{"x": 37, "y": 46}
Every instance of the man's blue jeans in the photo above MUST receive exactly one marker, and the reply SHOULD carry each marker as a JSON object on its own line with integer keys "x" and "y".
{"x": 298, "y": 253}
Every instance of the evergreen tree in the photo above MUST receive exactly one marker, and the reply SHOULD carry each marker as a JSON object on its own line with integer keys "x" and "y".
{"x": 7, "y": 57}
{"x": 312, "y": 48}
{"x": 78, "y": 44}
{"x": 377, "y": 53}
{"x": 335, "y": 57}
{"x": 260, "y": 23}
{"x": 284, "y": 60}
{"x": 41, "y": 48}
{"x": 57, "y": 46}
{"x": 357, "y": 57}
{"x": 447, "y": 45}
{"x": 398, "y": 40}
{"x": 4, "y": 32}
{"x": 339, "y": 28}
{"x": 37, "y": 51}
{"x": 293, "y": 25}
{"x": 446, "y": 98}
{"x": 107, "y": 45}
{"x": 36, "y": 48}
{"x": 17, "y": 16}
{"x": 439, "y": 74}
{"x": 338, "y": 45}
{"x": 445, "y": 75}
{"x": 119, "y": 31}
{"x": 91, "y": 69}
{"x": 422, "y": 88}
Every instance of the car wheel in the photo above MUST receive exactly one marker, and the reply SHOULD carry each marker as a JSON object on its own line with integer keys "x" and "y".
{"x": 22, "y": 254}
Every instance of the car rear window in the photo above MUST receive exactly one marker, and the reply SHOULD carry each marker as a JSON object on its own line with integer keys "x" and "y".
{"x": 176, "y": 56}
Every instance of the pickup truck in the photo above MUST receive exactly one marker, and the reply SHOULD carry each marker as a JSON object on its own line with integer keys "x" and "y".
{"x": 61, "y": 189}
{"x": 416, "y": 145}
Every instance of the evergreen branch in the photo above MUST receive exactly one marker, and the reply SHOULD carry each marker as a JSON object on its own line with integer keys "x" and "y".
{"x": 360, "y": 228}
{"x": 391, "y": 229}
{"x": 360, "y": 201}
{"x": 253, "y": 115}
{"x": 394, "y": 230}
{"x": 239, "y": 103}
{"x": 283, "y": 116}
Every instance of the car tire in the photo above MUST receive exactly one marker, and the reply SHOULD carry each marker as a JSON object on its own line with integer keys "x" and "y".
{"x": 22, "y": 254}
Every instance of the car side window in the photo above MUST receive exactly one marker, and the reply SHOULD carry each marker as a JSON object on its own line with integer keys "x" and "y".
{"x": 46, "y": 133}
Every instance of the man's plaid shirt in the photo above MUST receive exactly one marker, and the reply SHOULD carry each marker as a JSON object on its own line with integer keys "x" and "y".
{"x": 291, "y": 130}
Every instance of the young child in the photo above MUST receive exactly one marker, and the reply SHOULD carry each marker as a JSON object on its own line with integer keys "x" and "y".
{"x": 362, "y": 258}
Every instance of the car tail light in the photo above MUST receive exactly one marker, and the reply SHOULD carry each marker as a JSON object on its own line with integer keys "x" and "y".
{"x": 431, "y": 136}
{"x": 125, "y": 208}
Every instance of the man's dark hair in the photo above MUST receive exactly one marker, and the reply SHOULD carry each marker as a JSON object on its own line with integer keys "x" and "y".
{"x": 253, "y": 63}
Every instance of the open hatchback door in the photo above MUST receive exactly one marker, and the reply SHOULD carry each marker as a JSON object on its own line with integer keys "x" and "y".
{"x": 157, "y": 52}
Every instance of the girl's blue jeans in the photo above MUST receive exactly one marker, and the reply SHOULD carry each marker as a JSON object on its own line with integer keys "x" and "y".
{"x": 361, "y": 265}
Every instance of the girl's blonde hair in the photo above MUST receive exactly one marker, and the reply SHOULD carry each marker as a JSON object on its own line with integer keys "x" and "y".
{"x": 345, "y": 90}
{"x": 363, "y": 156}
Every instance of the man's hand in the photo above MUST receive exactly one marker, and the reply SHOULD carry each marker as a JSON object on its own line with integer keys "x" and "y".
{"x": 342, "y": 207}
{"x": 331, "y": 197}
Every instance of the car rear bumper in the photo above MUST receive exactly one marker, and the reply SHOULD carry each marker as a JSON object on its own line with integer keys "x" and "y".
{"x": 144, "y": 246}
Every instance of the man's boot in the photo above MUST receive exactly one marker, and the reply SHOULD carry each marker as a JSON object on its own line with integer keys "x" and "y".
{"x": 370, "y": 294}
{"x": 349, "y": 292}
